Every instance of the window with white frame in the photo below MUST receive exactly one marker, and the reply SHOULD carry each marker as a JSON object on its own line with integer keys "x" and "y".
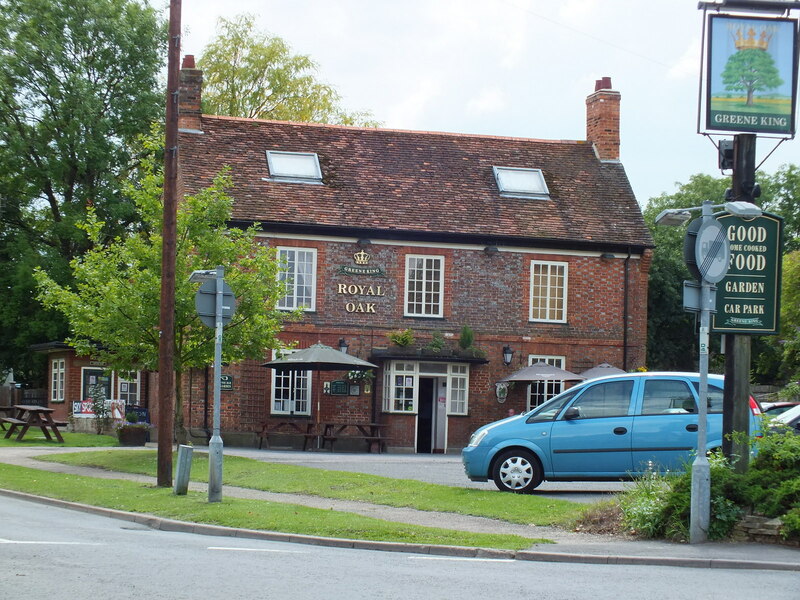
{"x": 128, "y": 386}
{"x": 400, "y": 387}
{"x": 458, "y": 389}
{"x": 294, "y": 167}
{"x": 541, "y": 391}
{"x": 291, "y": 391}
{"x": 298, "y": 274}
{"x": 58, "y": 378}
{"x": 424, "y": 286}
{"x": 548, "y": 291}
{"x": 514, "y": 182}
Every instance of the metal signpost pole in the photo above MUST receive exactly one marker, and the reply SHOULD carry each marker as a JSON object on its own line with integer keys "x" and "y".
{"x": 215, "y": 445}
{"x": 700, "y": 507}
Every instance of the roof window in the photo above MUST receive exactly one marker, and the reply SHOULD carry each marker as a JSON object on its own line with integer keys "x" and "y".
{"x": 514, "y": 182}
{"x": 297, "y": 167}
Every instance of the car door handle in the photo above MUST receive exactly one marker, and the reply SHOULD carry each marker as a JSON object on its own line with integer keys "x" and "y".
{"x": 692, "y": 427}
{"x": 620, "y": 430}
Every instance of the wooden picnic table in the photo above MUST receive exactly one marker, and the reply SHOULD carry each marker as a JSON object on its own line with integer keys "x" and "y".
{"x": 371, "y": 433}
{"x": 27, "y": 416}
{"x": 268, "y": 428}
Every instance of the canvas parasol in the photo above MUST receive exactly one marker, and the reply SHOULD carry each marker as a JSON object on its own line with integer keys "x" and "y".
{"x": 541, "y": 371}
{"x": 601, "y": 370}
{"x": 319, "y": 357}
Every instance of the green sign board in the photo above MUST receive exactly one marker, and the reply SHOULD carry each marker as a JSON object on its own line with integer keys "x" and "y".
{"x": 748, "y": 298}
{"x": 340, "y": 388}
{"x": 226, "y": 383}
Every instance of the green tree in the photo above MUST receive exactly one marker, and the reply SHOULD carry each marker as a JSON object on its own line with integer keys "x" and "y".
{"x": 751, "y": 71}
{"x": 247, "y": 73}
{"x": 78, "y": 83}
{"x": 113, "y": 308}
{"x": 781, "y": 195}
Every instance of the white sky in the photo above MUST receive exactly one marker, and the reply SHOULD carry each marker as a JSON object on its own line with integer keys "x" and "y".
{"x": 518, "y": 68}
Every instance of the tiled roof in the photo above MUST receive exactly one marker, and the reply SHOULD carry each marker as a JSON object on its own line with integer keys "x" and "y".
{"x": 417, "y": 182}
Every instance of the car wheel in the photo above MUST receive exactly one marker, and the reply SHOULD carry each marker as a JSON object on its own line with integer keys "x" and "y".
{"x": 517, "y": 471}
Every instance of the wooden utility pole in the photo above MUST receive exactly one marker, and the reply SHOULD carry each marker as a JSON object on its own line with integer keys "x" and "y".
{"x": 736, "y": 400}
{"x": 166, "y": 348}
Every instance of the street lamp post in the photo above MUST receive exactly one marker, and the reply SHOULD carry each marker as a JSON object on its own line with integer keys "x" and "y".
{"x": 711, "y": 256}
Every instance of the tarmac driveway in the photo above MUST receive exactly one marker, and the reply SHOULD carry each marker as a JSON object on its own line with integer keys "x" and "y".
{"x": 444, "y": 469}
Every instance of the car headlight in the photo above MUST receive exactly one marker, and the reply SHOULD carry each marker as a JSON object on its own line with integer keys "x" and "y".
{"x": 477, "y": 437}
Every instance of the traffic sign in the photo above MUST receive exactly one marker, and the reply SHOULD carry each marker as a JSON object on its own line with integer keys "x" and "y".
{"x": 205, "y": 303}
{"x": 706, "y": 250}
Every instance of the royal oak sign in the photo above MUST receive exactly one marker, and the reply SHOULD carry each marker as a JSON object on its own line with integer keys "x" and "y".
{"x": 748, "y": 298}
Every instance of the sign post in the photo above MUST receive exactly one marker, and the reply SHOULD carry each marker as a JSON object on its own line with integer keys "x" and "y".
{"x": 224, "y": 305}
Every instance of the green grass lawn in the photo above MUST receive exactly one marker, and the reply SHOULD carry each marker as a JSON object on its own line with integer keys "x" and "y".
{"x": 35, "y": 437}
{"x": 234, "y": 512}
{"x": 281, "y": 478}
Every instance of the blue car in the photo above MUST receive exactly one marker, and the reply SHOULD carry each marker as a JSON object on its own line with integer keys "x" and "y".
{"x": 610, "y": 428}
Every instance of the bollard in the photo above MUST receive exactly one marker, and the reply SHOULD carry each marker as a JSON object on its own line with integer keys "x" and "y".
{"x": 184, "y": 467}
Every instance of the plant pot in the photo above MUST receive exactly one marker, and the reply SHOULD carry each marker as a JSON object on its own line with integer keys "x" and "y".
{"x": 132, "y": 436}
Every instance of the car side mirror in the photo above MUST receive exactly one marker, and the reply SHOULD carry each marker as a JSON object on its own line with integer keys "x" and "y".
{"x": 572, "y": 413}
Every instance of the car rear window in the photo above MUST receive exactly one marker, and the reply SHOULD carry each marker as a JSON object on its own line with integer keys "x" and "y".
{"x": 667, "y": 397}
{"x": 715, "y": 395}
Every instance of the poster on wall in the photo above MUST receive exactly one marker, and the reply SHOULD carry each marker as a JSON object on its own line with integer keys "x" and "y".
{"x": 751, "y": 74}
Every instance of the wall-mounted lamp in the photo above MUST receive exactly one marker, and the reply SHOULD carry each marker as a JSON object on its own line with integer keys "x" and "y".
{"x": 607, "y": 255}
{"x": 363, "y": 243}
{"x": 490, "y": 250}
{"x": 343, "y": 345}
{"x": 508, "y": 355}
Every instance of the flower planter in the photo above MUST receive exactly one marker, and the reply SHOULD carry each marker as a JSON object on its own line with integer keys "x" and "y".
{"x": 132, "y": 436}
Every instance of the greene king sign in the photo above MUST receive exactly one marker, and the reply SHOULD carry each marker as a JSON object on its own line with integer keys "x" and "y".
{"x": 748, "y": 299}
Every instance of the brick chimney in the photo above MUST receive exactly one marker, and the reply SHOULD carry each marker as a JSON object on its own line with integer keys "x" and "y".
{"x": 191, "y": 87}
{"x": 602, "y": 120}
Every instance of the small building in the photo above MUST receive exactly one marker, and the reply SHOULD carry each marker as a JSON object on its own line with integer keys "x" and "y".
{"x": 448, "y": 260}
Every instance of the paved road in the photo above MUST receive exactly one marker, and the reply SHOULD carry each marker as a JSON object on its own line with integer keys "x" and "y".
{"x": 433, "y": 468}
{"x": 50, "y": 552}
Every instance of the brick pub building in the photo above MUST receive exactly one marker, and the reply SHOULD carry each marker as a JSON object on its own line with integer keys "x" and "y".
{"x": 535, "y": 247}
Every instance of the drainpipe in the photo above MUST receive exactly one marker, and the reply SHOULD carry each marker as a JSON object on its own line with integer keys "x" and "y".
{"x": 205, "y": 406}
{"x": 626, "y": 294}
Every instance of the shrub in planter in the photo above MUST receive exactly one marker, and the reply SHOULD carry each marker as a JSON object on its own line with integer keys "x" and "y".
{"x": 131, "y": 432}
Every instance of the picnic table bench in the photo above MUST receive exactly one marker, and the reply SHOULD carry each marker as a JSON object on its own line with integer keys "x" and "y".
{"x": 371, "y": 433}
{"x": 27, "y": 416}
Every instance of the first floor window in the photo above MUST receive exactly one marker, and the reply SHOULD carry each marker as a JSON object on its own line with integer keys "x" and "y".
{"x": 541, "y": 391}
{"x": 424, "y": 286}
{"x": 298, "y": 275}
{"x": 58, "y": 375}
{"x": 548, "y": 291}
{"x": 291, "y": 391}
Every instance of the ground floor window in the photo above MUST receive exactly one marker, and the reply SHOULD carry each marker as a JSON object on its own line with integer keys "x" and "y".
{"x": 401, "y": 385}
{"x": 58, "y": 375}
{"x": 291, "y": 391}
{"x": 541, "y": 391}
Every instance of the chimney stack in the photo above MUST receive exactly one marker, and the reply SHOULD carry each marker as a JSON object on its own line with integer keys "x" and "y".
{"x": 191, "y": 87}
{"x": 602, "y": 120}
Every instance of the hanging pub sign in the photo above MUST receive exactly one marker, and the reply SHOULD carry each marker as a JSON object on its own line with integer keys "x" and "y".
{"x": 748, "y": 298}
{"x": 751, "y": 74}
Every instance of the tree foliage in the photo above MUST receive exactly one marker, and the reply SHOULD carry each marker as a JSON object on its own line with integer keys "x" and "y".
{"x": 750, "y": 71}
{"x": 78, "y": 83}
{"x": 248, "y": 73}
{"x": 113, "y": 307}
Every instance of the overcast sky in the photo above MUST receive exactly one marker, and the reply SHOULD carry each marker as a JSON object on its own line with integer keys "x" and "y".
{"x": 520, "y": 68}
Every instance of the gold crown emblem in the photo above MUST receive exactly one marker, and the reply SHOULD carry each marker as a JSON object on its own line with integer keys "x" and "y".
{"x": 361, "y": 257}
{"x": 748, "y": 40}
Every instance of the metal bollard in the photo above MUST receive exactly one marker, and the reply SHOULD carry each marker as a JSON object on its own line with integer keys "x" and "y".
{"x": 184, "y": 467}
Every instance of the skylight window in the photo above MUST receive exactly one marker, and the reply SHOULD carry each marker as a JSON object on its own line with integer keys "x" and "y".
{"x": 298, "y": 167}
{"x": 514, "y": 182}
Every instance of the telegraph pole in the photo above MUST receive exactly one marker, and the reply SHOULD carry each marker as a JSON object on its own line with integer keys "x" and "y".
{"x": 166, "y": 346}
{"x": 736, "y": 399}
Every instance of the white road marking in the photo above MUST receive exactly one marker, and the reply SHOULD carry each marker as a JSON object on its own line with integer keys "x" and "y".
{"x": 232, "y": 549}
{"x": 2, "y": 541}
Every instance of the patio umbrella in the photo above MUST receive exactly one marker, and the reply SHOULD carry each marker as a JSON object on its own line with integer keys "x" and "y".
{"x": 541, "y": 371}
{"x": 601, "y": 370}
{"x": 319, "y": 357}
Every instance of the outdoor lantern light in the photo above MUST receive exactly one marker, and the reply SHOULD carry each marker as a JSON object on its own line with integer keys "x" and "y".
{"x": 508, "y": 354}
{"x": 343, "y": 345}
